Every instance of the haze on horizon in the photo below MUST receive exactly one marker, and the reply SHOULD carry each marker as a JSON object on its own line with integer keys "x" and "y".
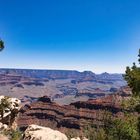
{"x": 96, "y": 35}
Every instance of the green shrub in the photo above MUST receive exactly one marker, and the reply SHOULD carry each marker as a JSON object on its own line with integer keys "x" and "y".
{"x": 16, "y": 135}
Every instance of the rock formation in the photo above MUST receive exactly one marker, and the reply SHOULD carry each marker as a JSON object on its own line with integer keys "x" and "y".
{"x": 46, "y": 113}
{"x": 35, "y": 132}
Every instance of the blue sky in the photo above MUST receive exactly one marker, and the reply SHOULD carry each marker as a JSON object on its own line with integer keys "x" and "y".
{"x": 96, "y": 35}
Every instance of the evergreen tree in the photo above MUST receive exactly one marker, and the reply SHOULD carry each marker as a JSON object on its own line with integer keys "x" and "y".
{"x": 132, "y": 76}
{"x": 1, "y": 45}
{"x": 4, "y": 104}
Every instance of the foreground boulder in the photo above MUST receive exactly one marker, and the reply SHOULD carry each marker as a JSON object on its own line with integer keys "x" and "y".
{"x": 34, "y": 132}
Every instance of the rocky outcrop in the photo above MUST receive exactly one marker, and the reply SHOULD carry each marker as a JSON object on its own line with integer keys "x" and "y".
{"x": 44, "y": 99}
{"x": 35, "y": 132}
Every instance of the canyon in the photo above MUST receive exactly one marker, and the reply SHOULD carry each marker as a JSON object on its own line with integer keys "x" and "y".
{"x": 62, "y": 86}
{"x": 64, "y": 101}
{"x": 75, "y": 116}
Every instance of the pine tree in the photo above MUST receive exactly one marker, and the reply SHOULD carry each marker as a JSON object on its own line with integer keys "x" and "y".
{"x": 4, "y": 104}
{"x": 132, "y": 76}
{"x": 1, "y": 45}
{"x": 139, "y": 57}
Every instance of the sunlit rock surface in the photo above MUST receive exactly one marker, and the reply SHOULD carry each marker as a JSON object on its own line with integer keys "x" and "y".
{"x": 34, "y": 132}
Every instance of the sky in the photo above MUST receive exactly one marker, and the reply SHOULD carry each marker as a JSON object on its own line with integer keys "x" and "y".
{"x": 96, "y": 35}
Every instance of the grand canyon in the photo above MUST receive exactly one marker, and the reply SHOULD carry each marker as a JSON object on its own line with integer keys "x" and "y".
{"x": 61, "y": 86}
{"x": 68, "y": 70}
{"x": 63, "y": 100}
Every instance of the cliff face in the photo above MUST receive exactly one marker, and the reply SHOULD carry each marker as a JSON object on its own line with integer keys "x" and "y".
{"x": 73, "y": 116}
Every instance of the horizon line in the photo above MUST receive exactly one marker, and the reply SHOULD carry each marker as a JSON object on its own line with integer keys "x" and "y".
{"x": 43, "y": 69}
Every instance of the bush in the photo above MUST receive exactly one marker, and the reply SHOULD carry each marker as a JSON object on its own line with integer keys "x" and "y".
{"x": 124, "y": 129}
{"x": 16, "y": 135}
{"x": 12, "y": 134}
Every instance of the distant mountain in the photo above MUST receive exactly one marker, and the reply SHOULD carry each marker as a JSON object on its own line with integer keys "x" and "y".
{"x": 60, "y": 74}
{"x": 110, "y": 76}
